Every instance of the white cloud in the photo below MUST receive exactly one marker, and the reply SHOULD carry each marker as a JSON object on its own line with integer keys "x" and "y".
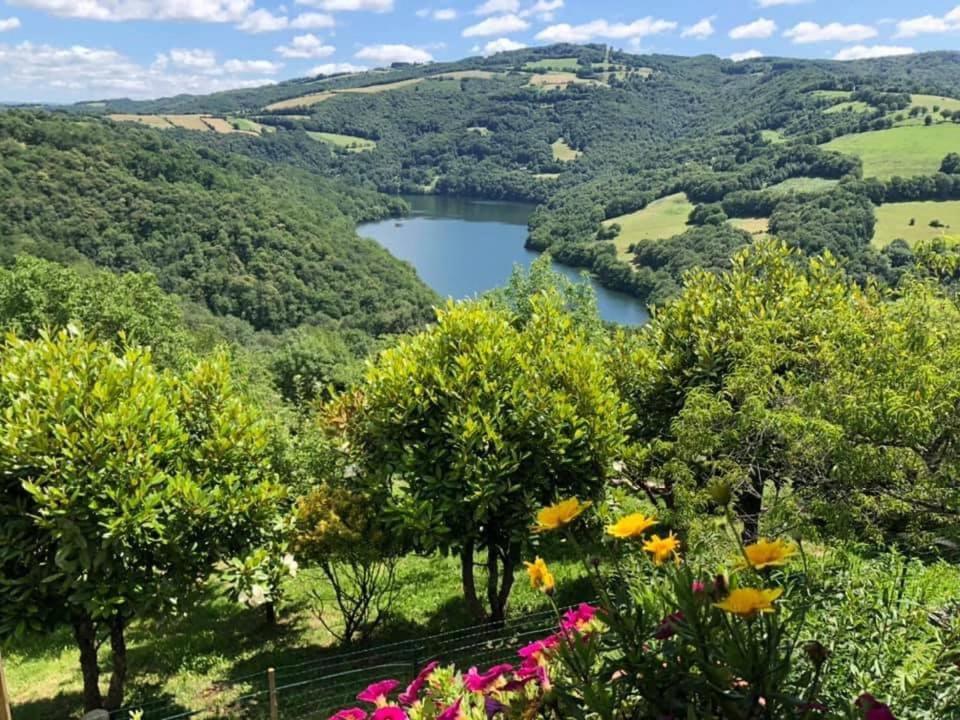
{"x": 379, "y": 6}
{"x": 810, "y": 32}
{"x": 862, "y": 52}
{"x": 250, "y": 67}
{"x": 502, "y": 45}
{"x": 306, "y": 46}
{"x": 757, "y": 30}
{"x": 9, "y": 24}
{"x": 335, "y": 68}
{"x": 261, "y": 21}
{"x": 445, "y": 14}
{"x": 312, "y": 21}
{"x": 746, "y": 55}
{"x": 777, "y": 3}
{"x": 46, "y": 73}
{"x": 929, "y": 25}
{"x": 601, "y": 29}
{"x": 543, "y": 9}
{"x": 492, "y": 7}
{"x": 121, "y": 10}
{"x": 387, "y": 54}
{"x": 498, "y": 25}
{"x": 699, "y": 30}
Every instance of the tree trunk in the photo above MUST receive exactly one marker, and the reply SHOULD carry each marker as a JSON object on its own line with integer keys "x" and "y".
{"x": 118, "y": 650}
{"x": 493, "y": 582}
{"x": 469, "y": 584}
{"x": 749, "y": 508}
{"x": 506, "y": 583}
{"x": 85, "y": 633}
{"x": 271, "y": 609}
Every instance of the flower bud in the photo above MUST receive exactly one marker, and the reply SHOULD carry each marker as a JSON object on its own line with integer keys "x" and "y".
{"x": 720, "y": 492}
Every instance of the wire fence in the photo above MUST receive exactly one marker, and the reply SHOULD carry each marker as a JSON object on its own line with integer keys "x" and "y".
{"x": 318, "y": 688}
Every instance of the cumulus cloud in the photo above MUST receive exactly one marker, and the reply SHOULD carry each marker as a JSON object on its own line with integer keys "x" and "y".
{"x": 122, "y": 10}
{"x": 250, "y": 67}
{"x": 312, "y": 21}
{"x": 810, "y": 32}
{"x": 498, "y": 25}
{"x": 502, "y": 45}
{"x": 387, "y": 54}
{"x": 261, "y": 21}
{"x": 863, "y": 52}
{"x": 336, "y": 68}
{"x": 305, "y": 46}
{"x": 746, "y": 55}
{"x": 601, "y": 29}
{"x": 440, "y": 14}
{"x": 542, "y": 9}
{"x": 757, "y": 30}
{"x": 378, "y": 6}
{"x": 9, "y": 24}
{"x": 47, "y": 73}
{"x": 492, "y": 7}
{"x": 929, "y": 24}
{"x": 699, "y": 30}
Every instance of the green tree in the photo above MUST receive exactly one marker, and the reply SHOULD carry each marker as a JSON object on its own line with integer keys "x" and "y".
{"x": 950, "y": 164}
{"x": 476, "y": 422}
{"x": 121, "y": 487}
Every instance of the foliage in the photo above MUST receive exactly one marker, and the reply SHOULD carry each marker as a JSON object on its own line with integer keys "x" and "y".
{"x": 122, "y": 487}
{"x": 317, "y": 362}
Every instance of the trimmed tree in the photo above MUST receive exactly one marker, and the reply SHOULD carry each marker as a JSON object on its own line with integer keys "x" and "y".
{"x": 473, "y": 424}
{"x": 121, "y": 486}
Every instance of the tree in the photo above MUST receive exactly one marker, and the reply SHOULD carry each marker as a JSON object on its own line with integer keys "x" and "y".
{"x": 473, "y": 424}
{"x": 121, "y": 487}
{"x": 951, "y": 164}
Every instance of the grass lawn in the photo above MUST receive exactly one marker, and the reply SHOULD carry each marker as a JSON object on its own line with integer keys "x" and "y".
{"x": 893, "y": 221}
{"x": 564, "y": 64}
{"x": 904, "y": 151}
{"x": 802, "y": 184}
{"x": 754, "y": 226}
{"x": 663, "y": 218}
{"x": 351, "y": 143}
{"x": 563, "y": 152}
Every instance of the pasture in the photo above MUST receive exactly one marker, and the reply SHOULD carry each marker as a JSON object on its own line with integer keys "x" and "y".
{"x": 300, "y": 102}
{"x": 663, "y": 218}
{"x": 802, "y": 184}
{"x": 382, "y": 87}
{"x": 904, "y": 151}
{"x": 199, "y": 123}
{"x": 928, "y": 102}
{"x": 774, "y": 137}
{"x": 467, "y": 75}
{"x": 831, "y": 94}
{"x": 563, "y": 152}
{"x": 856, "y": 106}
{"x": 560, "y": 81}
{"x": 754, "y": 226}
{"x": 350, "y": 143}
{"x": 893, "y": 221}
{"x": 562, "y": 64}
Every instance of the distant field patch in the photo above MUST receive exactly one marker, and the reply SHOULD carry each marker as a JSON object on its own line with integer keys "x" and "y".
{"x": 188, "y": 122}
{"x": 200, "y": 123}
{"x": 546, "y": 176}
{"x": 904, "y": 151}
{"x": 774, "y": 137}
{"x": 351, "y": 143}
{"x": 219, "y": 125}
{"x": 250, "y": 126}
{"x": 754, "y": 226}
{"x": 893, "y": 221}
{"x": 468, "y": 74}
{"x": 479, "y": 130}
{"x": 831, "y": 94}
{"x": 802, "y": 184}
{"x": 563, "y": 64}
{"x": 298, "y": 102}
{"x": 659, "y": 220}
{"x": 155, "y": 121}
{"x": 563, "y": 152}
{"x": 928, "y": 102}
{"x": 855, "y": 106}
{"x": 383, "y": 87}
{"x": 560, "y": 81}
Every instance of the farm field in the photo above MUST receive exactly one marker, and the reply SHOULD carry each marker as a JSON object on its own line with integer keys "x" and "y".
{"x": 857, "y": 106}
{"x": 347, "y": 142}
{"x": 773, "y": 137}
{"x": 663, "y": 218}
{"x": 302, "y": 101}
{"x": 904, "y": 151}
{"x": 563, "y": 152}
{"x": 563, "y": 64}
{"x": 560, "y": 81}
{"x": 802, "y": 184}
{"x": 831, "y": 94}
{"x": 200, "y": 123}
{"x": 926, "y": 101}
{"x": 381, "y": 88}
{"x": 893, "y": 221}
{"x": 467, "y": 74}
{"x": 754, "y": 226}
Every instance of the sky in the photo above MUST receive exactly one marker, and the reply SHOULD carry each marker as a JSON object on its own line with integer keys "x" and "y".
{"x": 68, "y": 50}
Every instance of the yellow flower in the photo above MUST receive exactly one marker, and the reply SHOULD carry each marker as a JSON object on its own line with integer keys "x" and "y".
{"x": 540, "y": 576}
{"x": 748, "y": 602}
{"x": 631, "y": 526}
{"x": 767, "y": 553}
{"x": 563, "y": 513}
{"x": 662, "y": 548}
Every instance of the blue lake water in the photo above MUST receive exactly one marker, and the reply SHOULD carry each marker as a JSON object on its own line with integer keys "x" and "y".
{"x": 462, "y": 248}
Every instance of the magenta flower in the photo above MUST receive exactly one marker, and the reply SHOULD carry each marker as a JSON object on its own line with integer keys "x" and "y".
{"x": 577, "y": 618}
{"x": 535, "y": 650}
{"x": 377, "y": 692}
{"x": 451, "y": 713}
{"x": 475, "y": 682}
{"x": 349, "y": 714}
{"x": 412, "y": 693}
{"x": 873, "y": 709}
{"x": 668, "y": 626}
{"x": 698, "y": 587}
{"x": 539, "y": 673}
{"x": 390, "y": 712}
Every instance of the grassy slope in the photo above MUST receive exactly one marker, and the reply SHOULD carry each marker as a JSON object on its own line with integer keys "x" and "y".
{"x": 802, "y": 184}
{"x": 893, "y": 221}
{"x": 904, "y": 151}
{"x": 754, "y": 226}
{"x": 564, "y": 64}
{"x": 662, "y": 218}
{"x": 563, "y": 152}
{"x": 348, "y": 142}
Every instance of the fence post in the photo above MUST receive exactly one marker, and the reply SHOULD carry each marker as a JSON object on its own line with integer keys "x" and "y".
{"x": 272, "y": 686}
{"x": 4, "y": 698}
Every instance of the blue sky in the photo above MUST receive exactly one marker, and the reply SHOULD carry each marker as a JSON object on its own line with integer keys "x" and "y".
{"x": 65, "y": 50}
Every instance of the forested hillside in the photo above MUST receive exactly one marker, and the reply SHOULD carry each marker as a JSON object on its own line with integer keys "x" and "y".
{"x": 596, "y": 138}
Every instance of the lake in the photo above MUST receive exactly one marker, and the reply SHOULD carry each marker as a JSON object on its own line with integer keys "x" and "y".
{"x": 462, "y": 248}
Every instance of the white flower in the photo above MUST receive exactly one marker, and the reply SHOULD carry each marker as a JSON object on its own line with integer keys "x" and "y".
{"x": 290, "y": 564}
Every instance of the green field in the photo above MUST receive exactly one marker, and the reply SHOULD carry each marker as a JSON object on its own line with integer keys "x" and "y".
{"x": 893, "y": 221}
{"x": 351, "y": 143}
{"x": 802, "y": 184}
{"x": 564, "y": 64}
{"x": 660, "y": 219}
{"x": 831, "y": 94}
{"x": 904, "y": 151}
{"x": 754, "y": 226}
{"x": 563, "y": 152}
{"x": 856, "y": 106}
{"x": 774, "y": 137}
{"x": 928, "y": 102}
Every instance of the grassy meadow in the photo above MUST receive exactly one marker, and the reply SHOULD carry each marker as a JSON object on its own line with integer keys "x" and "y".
{"x": 663, "y": 218}
{"x": 893, "y": 221}
{"x": 298, "y": 102}
{"x": 352, "y": 143}
{"x": 754, "y": 226}
{"x": 563, "y": 152}
{"x": 904, "y": 151}
{"x": 563, "y": 64}
{"x": 857, "y": 106}
{"x": 802, "y": 184}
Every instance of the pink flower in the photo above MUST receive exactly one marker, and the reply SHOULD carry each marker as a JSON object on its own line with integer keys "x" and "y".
{"x": 578, "y": 618}
{"x": 390, "y": 712}
{"x": 410, "y": 695}
{"x": 475, "y": 682}
{"x": 873, "y": 709}
{"x": 526, "y": 673}
{"x": 535, "y": 651}
{"x": 698, "y": 587}
{"x": 451, "y": 713}
{"x": 377, "y": 692}
{"x": 668, "y": 626}
{"x": 350, "y": 714}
